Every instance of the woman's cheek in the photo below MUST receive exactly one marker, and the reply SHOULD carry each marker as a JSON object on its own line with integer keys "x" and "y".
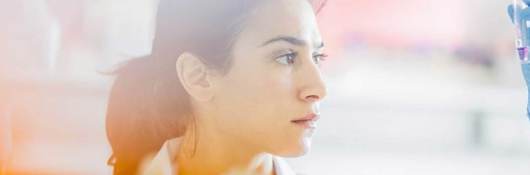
{"x": 281, "y": 83}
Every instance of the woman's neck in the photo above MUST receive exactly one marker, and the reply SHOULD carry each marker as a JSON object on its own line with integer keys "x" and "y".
{"x": 206, "y": 152}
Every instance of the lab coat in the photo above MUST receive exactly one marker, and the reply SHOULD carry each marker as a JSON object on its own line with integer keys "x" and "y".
{"x": 161, "y": 163}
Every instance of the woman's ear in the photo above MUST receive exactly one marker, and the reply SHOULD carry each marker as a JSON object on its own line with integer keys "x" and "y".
{"x": 194, "y": 77}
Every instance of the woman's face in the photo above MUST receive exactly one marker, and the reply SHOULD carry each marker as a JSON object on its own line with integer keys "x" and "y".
{"x": 274, "y": 80}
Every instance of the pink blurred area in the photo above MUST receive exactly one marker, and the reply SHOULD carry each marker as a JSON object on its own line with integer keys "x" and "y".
{"x": 391, "y": 23}
{"x": 53, "y": 99}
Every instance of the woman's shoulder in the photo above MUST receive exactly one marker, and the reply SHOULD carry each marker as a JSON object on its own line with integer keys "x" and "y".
{"x": 161, "y": 164}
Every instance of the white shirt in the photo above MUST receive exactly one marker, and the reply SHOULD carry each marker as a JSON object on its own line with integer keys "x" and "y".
{"x": 161, "y": 163}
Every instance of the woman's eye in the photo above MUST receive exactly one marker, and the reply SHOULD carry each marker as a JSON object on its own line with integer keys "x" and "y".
{"x": 317, "y": 58}
{"x": 286, "y": 59}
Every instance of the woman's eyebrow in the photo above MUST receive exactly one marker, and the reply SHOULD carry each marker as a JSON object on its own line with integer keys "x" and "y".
{"x": 291, "y": 40}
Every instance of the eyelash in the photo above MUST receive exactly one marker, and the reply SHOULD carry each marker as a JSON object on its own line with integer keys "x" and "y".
{"x": 321, "y": 57}
{"x": 292, "y": 56}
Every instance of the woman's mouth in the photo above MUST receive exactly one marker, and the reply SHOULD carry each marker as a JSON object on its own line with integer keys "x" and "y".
{"x": 307, "y": 122}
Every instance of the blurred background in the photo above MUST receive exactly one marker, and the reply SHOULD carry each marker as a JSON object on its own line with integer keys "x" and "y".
{"x": 415, "y": 86}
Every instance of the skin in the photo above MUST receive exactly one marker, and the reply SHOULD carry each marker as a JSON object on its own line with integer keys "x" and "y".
{"x": 244, "y": 116}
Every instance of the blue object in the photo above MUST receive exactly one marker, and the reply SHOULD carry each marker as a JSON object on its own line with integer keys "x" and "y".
{"x": 518, "y": 12}
{"x": 524, "y": 15}
{"x": 526, "y": 74}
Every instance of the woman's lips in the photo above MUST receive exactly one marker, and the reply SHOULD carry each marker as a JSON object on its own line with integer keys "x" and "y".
{"x": 309, "y": 121}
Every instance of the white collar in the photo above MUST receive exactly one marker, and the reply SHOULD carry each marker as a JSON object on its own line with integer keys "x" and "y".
{"x": 161, "y": 163}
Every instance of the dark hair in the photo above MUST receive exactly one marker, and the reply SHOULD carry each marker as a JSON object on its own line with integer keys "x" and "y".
{"x": 147, "y": 103}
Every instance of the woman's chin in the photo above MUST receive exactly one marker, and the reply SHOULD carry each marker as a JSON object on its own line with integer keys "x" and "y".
{"x": 300, "y": 149}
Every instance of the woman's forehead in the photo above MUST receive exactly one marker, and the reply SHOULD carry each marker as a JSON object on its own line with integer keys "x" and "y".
{"x": 292, "y": 18}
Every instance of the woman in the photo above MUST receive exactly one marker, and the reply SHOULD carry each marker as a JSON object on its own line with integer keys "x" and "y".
{"x": 230, "y": 86}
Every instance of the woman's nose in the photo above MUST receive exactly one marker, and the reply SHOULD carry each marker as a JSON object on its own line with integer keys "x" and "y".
{"x": 313, "y": 87}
